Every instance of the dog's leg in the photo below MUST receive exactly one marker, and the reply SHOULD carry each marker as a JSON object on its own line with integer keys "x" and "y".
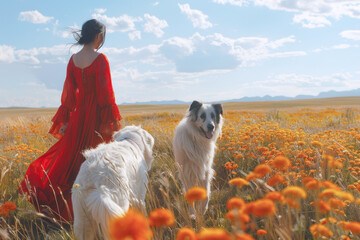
{"x": 83, "y": 228}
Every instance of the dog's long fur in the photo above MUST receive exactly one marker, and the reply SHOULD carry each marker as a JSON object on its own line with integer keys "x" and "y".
{"x": 113, "y": 177}
{"x": 194, "y": 146}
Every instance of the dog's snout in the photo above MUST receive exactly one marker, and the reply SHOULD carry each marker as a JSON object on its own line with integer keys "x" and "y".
{"x": 210, "y": 127}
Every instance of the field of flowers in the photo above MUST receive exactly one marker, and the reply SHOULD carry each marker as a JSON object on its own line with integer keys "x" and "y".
{"x": 291, "y": 174}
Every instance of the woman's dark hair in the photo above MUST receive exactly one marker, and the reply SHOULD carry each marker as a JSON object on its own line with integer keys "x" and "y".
{"x": 88, "y": 32}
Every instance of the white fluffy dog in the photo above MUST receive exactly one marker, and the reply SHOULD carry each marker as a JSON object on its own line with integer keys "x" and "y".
{"x": 113, "y": 177}
{"x": 194, "y": 146}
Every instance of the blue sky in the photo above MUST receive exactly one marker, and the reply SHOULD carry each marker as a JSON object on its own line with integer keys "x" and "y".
{"x": 208, "y": 50}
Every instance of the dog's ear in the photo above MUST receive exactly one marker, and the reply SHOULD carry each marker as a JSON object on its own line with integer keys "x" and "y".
{"x": 149, "y": 142}
{"x": 194, "y": 109}
{"x": 219, "y": 111}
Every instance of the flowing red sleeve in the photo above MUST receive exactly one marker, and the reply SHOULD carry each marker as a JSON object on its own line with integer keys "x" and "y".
{"x": 68, "y": 98}
{"x": 110, "y": 115}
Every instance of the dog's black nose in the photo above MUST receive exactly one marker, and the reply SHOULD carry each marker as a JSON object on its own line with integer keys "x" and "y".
{"x": 210, "y": 127}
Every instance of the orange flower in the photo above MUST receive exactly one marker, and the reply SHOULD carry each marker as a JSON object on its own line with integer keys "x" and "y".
{"x": 133, "y": 225}
{"x": 186, "y": 234}
{"x": 213, "y": 234}
{"x": 261, "y": 170}
{"x": 294, "y": 192}
{"x": 305, "y": 180}
{"x": 336, "y": 203}
{"x": 345, "y": 195}
{"x": 281, "y": 163}
{"x": 326, "y": 193}
{"x": 196, "y": 194}
{"x": 239, "y": 182}
{"x": 325, "y": 221}
{"x": 6, "y": 208}
{"x": 251, "y": 176}
{"x": 320, "y": 230}
{"x": 243, "y": 236}
{"x": 261, "y": 232}
{"x": 332, "y": 162}
{"x": 301, "y": 143}
{"x": 161, "y": 217}
{"x": 275, "y": 196}
{"x": 316, "y": 144}
{"x": 354, "y": 227}
{"x": 313, "y": 184}
{"x": 276, "y": 179}
{"x": 235, "y": 202}
{"x": 237, "y": 215}
{"x": 263, "y": 207}
{"x": 323, "y": 207}
{"x": 331, "y": 185}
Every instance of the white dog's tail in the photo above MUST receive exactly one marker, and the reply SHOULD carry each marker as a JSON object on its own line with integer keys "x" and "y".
{"x": 103, "y": 209}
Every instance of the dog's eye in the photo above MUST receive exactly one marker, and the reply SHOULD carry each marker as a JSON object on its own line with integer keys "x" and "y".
{"x": 202, "y": 116}
{"x": 212, "y": 116}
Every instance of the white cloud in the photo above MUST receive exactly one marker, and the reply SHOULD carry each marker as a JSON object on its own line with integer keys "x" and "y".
{"x": 134, "y": 35}
{"x": 124, "y": 23}
{"x": 202, "y": 53}
{"x": 156, "y": 3}
{"x": 35, "y": 56}
{"x": 100, "y": 10}
{"x": 279, "y": 43}
{"x": 308, "y": 20}
{"x": 239, "y": 3}
{"x": 154, "y": 25}
{"x": 34, "y": 17}
{"x": 197, "y": 53}
{"x": 198, "y": 19}
{"x": 311, "y": 14}
{"x": 341, "y": 46}
{"x": 7, "y": 54}
{"x": 351, "y": 34}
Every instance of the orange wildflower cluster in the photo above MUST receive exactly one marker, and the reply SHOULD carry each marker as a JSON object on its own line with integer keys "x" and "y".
{"x": 196, "y": 194}
{"x": 354, "y": 227}
{"x": 133, "y": 225}
{"x": 294, "y": 192}
{"x": 213, "y": 234}
{"x": 319, "y": 230}
{"x": 161, "y": 217}
{"x": 238, "y": 182}
{"x": 6, "y": 208}
{"x": 281, "y": 163}
{"x": 261, "y": 232}
{"x": 186, "y": 234}
{"x": 231, "y": 165}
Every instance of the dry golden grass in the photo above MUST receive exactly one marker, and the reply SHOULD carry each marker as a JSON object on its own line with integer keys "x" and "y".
{"x": 320, "y": 139}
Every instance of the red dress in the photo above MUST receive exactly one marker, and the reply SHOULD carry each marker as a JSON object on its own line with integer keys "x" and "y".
{"x": 89, "y": 109}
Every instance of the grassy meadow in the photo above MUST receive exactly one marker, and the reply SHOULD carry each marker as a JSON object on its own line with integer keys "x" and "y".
{"x": 283, "y": 170}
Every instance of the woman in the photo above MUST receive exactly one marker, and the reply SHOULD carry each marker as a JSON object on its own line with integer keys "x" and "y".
{"x": 88, "y": 115}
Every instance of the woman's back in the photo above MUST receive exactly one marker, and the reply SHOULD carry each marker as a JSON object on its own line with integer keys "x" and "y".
{"x": 84, "y": 59}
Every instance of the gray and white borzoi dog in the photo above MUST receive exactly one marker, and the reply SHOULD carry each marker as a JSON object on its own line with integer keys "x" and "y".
{"x": 194, "y": 145}
{"x": 113, "y": 177}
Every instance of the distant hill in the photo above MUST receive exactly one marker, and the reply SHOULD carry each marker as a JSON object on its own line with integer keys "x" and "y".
{"x": 328, "y": 94}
